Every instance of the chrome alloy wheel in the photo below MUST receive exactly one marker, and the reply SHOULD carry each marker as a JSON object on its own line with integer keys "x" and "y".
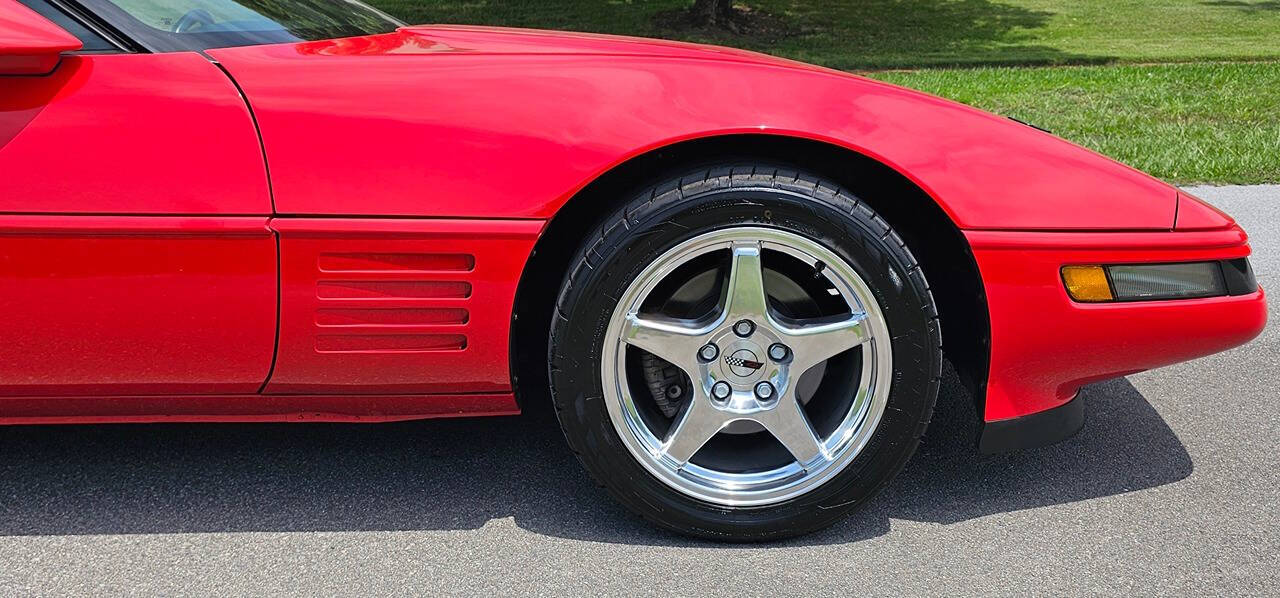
{"x": 811, "y": 383}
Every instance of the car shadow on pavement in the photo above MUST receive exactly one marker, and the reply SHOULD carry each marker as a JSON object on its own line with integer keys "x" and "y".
{"x": 462, "y": 474}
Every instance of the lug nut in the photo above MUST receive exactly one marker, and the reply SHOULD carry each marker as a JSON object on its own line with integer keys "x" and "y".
{"x": 778, "y": 351}
{"x": 708, "y": 352}
{"x": 744, "y": 328}
{"x": 764, "y": 391}
{"x": 721, "y": 390}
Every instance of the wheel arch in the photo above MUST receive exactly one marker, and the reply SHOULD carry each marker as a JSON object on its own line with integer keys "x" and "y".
{"x": 921, "y": 220}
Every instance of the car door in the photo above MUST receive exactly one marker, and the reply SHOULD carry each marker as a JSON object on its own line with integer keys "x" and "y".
{"x": 135, "y": 256}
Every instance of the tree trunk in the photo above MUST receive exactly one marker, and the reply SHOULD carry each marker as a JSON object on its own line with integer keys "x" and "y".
{"x": 712, "y": 12}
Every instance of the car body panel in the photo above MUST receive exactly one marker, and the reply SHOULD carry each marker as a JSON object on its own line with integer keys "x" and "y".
{"x": 400, "y": 306}
{"x": 475, "y": 39}
{"x": 117, "y": 305}
{"x": 129, "y": 134}
{"x": 1195, "y": 214}
{"x": 251, "y": 408}
{"x": 498, "y": 131}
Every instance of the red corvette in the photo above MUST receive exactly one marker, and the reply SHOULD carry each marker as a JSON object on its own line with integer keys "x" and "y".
{"x": 734, "y": 276}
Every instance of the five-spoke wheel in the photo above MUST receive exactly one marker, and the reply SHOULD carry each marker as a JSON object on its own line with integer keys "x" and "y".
{"x": 743, "y": 360}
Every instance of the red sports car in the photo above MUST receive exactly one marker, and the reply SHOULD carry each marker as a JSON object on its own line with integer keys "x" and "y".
{"x": 734, "y": 276}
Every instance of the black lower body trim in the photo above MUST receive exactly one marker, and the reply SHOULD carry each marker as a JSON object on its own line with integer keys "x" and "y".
{"x": 1031, "y": 431}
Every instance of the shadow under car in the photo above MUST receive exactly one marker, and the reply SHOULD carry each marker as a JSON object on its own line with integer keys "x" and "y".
{"x": 459, "y": 474}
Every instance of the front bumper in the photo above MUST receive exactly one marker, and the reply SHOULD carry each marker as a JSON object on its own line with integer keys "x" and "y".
{"x": 1045, "y": 346}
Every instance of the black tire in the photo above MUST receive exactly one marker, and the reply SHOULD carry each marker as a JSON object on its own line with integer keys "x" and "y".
{"x": 672, "y": 211}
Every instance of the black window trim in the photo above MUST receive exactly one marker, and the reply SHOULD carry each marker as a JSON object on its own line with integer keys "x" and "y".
{"x": 98, "y": 26}
{"x": 121, "y": 23}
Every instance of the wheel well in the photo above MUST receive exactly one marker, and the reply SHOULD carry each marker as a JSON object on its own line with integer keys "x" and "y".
{"x": 937, "y": 244}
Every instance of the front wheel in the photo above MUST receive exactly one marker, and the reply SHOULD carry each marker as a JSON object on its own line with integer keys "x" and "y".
{"x": 745, "y": 353}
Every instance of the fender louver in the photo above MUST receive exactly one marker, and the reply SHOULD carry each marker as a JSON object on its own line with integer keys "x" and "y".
{"x": 425, "y": 294}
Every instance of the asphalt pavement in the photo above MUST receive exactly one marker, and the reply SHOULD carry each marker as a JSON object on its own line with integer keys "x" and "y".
{"x": 1173, "y": 487}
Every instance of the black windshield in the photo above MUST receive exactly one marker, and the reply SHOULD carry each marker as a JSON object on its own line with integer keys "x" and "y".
{"x": 168, "y": 25}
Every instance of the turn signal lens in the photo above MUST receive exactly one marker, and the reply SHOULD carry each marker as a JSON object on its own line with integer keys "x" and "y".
{"x": 1147, "y": 282}
{"x": 1087, "y": 283}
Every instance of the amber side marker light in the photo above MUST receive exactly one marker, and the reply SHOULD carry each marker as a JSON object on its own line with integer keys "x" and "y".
{"x": 1149, "y": 282}
{"x": 1087, "y": 283}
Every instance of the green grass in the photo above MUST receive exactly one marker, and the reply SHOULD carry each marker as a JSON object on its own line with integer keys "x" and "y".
{"x": 861, "y": 34}
{"x": 1215, "y": 118}
{"x": 919, "y": 33}
{"x": 1209, "y": 122}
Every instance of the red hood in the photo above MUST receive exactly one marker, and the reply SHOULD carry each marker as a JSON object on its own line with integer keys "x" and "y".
{"x": 467, "y": 39}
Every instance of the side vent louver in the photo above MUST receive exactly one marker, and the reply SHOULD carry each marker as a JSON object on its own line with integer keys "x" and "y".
{"x": 392, "y": 302}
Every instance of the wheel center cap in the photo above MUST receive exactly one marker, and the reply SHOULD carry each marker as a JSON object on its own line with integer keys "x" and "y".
{"x": 743, "y": 363}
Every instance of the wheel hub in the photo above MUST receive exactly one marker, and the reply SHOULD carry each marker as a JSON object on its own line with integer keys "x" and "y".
{"x": 744, "y": 363}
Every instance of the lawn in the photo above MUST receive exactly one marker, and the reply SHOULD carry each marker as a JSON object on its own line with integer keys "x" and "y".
{"x": 1185, "y": 89}
{"x": 1206, "y": 122}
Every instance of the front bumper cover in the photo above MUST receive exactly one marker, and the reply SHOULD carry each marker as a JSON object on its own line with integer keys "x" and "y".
{"x": 1044, "y": 346}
